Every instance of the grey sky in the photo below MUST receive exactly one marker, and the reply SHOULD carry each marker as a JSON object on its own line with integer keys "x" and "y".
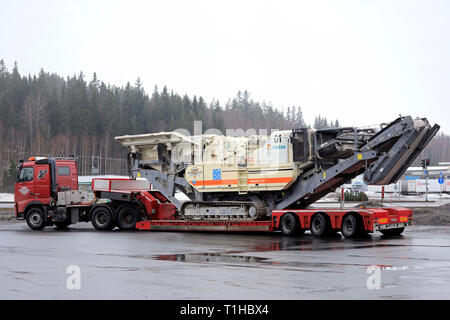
{"x": 362, "y": 62}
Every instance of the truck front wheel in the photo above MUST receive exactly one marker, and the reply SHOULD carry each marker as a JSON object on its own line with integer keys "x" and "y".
{"x": 101, "y": 219}
{"x": 36, "y": 219}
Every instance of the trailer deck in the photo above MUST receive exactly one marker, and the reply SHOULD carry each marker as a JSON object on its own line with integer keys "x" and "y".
{"x": 182, "y": 225}
{"x": 371, "y": 220}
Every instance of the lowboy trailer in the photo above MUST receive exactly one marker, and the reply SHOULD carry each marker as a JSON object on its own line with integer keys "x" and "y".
{"x": 320, "y": 222}
{"x": 151, "y": 210}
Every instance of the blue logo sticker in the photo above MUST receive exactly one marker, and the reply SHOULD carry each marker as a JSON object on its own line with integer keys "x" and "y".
{"x": 217, "y": 174}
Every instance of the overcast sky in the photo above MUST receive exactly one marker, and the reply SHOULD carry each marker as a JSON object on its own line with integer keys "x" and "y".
{"x": 362, "y": 62}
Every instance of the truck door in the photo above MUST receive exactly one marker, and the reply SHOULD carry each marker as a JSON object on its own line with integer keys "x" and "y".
{"x": 42, "y": 182}
{"x": 24, "y": 190}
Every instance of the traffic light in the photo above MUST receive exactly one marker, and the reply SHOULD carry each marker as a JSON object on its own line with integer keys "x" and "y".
{"x": 425, "y": 163}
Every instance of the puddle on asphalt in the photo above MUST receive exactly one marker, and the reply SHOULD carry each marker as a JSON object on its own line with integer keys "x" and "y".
{"x": 227, "y": 258}
{"x": 209, "y": 257}
{"x": 244, "y": 257}
{"x": 247, "y": 255}
{"x": 316, "y": 244}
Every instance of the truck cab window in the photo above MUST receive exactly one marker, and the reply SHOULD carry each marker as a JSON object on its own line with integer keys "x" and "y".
{"x": 63, "y": 171}
{"x": 26, "y": 174}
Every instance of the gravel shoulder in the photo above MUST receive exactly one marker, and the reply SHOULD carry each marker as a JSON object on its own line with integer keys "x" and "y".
{"x": 6, "y": 214}
{"x": 428, "y": 216}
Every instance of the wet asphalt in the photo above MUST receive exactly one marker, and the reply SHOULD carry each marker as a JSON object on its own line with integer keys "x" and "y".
{"x": 196, "y": 265}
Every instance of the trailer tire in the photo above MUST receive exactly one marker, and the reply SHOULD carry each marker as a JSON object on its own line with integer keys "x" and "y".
{"x": 36, "y": 218}
{"x": 101, "y": 218}
{"x": 392, "y": 232}
{"x": 350, "y": 226}
{"x": 319, "y": 226}
{"x": 289, "y": 225}
{"x": 127, "y": 217}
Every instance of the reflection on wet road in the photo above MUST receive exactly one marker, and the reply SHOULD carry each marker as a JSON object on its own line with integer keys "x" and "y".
{"x": 177, "y": 265}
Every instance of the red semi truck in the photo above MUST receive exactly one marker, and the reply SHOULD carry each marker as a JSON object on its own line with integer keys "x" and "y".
{"x": 46, "y": 194}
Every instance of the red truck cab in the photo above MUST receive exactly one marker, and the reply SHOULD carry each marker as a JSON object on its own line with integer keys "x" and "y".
{"x": 39, "y": 181}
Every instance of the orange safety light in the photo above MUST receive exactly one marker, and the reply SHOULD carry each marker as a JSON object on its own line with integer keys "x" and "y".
{"x": 32, "y": 159}
{"x": 383, "y": 220}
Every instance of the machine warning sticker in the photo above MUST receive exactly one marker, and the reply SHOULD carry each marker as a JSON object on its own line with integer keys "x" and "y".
{"x": 217, "y": 174}
{"x": 194, "y": 172}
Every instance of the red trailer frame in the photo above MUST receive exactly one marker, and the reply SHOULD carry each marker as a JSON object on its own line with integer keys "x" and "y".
{"x": 161, "y": 214}
{"x": 371, "y": 220}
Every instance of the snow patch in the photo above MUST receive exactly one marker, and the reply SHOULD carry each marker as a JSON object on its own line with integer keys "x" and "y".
{"x": 6, "y": 197}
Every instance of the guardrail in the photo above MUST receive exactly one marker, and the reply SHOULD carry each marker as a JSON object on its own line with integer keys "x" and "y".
{"x": 6, "y": 210}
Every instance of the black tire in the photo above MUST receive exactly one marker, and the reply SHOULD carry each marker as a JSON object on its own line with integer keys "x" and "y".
{"x": 36, "y": 219}
{"x": 350, "y": 226}
{"x": 392, "y": 232}
{"x": 289, "y": 225}
{"x": 101, "y": 219}
{"x": 127, "y": 217}
{"x": 319, "y": 226}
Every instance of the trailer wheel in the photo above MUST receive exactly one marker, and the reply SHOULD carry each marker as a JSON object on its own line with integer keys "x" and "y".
{"x": 36, "y": 219}
{"x": 319, "y": 225}
{"x": 392, "y": 232}
{"x": 349, "y": 226}
{"x": 127, "y": 217}
{"x": 289, "y": 225}
{"x": 101, "y": 218}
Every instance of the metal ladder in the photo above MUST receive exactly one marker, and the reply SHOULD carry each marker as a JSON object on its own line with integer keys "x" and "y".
{"x": 242, "y": 180}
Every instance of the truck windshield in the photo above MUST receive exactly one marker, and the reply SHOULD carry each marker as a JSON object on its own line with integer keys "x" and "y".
{"x": 26, "y": 174}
